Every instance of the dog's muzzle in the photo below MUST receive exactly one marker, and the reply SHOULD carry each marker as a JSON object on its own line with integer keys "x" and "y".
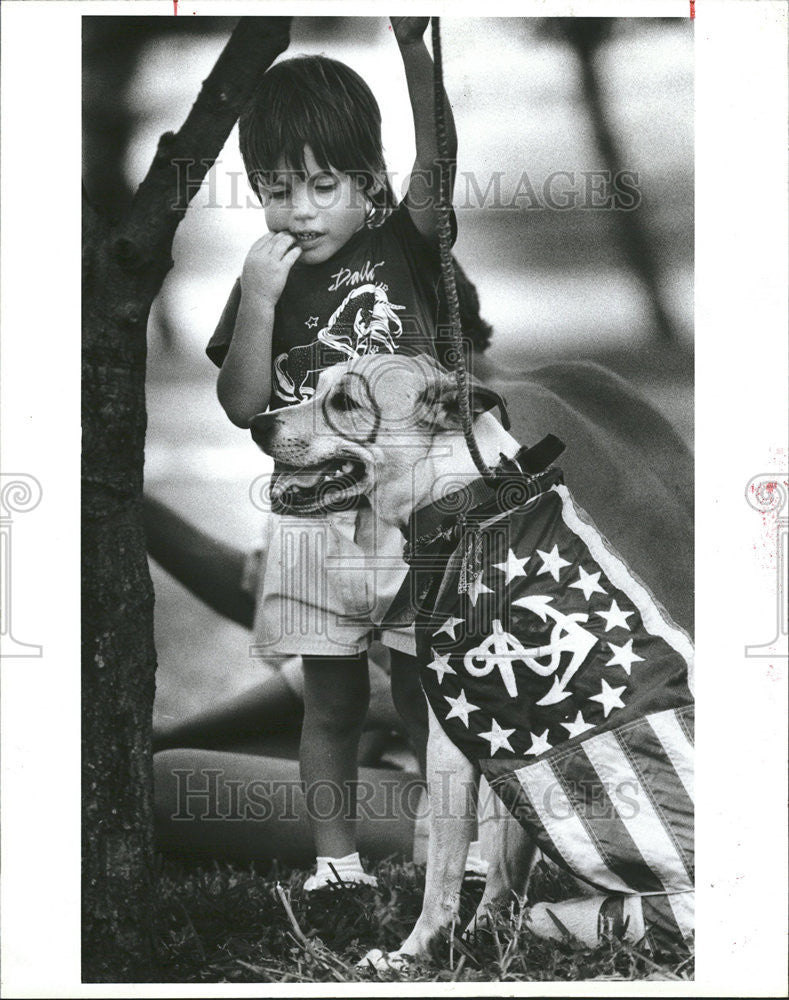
{"x": 261, "y": 427}
{"x": 305, "y": 490}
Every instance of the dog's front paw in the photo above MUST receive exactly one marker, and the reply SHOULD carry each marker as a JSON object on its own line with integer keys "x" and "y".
{"x": 383, "y": 961}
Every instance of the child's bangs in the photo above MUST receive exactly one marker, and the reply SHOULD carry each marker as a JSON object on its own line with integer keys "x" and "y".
{"x": 337, "y": 142}
{"x": 316, "y": 102}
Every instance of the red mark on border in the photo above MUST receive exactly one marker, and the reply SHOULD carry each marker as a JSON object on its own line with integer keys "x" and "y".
{"x": 175, "y": 7}
{"x": 692, "y": 9}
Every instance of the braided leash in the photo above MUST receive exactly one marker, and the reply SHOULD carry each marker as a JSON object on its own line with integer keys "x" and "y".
{"x": 445, "y": 250}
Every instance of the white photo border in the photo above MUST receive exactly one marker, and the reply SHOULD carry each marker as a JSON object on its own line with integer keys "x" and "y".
{"x": 741, "y": 419}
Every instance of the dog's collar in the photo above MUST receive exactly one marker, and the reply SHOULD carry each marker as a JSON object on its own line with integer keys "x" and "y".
{"x": 515, "y": 481}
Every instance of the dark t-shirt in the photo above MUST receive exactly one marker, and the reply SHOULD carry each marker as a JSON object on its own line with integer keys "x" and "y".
{"x": 377, "y": 294}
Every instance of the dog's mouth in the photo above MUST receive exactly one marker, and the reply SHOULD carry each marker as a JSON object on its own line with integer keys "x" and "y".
{"x": 335, "y": 484}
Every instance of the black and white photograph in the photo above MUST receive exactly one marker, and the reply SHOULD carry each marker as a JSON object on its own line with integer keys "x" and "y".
{"x": 395, "y": 523}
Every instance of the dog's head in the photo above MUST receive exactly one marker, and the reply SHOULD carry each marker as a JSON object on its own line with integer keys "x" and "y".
{"x": 370, "y": 421}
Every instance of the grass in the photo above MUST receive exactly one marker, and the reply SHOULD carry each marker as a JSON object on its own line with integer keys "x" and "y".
{"x": 228, "y": 923}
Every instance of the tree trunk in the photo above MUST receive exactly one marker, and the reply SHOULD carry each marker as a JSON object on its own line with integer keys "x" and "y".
{"x": 124, "y": 265}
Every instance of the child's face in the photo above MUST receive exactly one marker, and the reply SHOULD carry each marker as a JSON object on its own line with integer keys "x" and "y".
{"x": 321, "y": 208}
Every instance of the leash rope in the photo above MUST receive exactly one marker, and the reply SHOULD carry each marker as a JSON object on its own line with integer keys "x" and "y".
{"x": 445, "y": 251}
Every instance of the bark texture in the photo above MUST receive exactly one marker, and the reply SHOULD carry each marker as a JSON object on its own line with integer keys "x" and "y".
{"x": 124, "y": 264}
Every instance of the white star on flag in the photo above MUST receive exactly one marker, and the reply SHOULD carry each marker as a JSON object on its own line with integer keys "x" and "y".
{"x": 498, "y": 737}
{"x": 552, "y": 562}
{"x": 512, "y": 567}
{"x": 477, "y": 587}
{"x": 539, "y": 744}
{"x": 440, "y": 664}
{"x": 588, "y": 583}
{"x": 623, "y": 656}
{"x": 615, "y": 618}
{"x": 311, "y": 323}
{"x": 609, "y": 697}
{"x": 577, "y": 727}
{"x": 460, "y": 707}
{"x": 449, "y": 626}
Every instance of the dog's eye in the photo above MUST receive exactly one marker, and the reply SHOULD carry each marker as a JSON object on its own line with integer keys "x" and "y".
{"x": 342, "y": 401}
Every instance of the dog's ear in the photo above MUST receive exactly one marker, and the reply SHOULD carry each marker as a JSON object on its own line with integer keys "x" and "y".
{"x": 439, "y": 403}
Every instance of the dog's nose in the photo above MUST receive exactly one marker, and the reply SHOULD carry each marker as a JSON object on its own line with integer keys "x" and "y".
{"x": 261, "y": 428}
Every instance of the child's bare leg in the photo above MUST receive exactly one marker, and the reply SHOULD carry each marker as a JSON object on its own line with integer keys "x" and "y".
{"x": 336, "y": 696}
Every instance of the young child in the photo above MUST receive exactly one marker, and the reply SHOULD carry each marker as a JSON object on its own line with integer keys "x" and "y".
{"x": 343, "y": 271}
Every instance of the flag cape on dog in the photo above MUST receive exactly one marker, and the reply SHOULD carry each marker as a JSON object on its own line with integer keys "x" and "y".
{"x": 555, "y": 670}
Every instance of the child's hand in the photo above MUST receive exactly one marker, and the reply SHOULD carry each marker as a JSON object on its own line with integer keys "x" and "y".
{"x": 409, "y": 30}
{"x": 268, "y": 265}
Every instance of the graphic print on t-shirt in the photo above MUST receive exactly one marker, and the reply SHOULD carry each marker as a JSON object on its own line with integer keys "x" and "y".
{"x": 366, "y": 322}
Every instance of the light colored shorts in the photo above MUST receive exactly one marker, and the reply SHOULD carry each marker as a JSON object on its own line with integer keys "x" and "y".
{"x": 323, "y": 584}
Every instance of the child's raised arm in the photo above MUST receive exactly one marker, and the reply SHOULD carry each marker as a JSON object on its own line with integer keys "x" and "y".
{"x": 424, "y": 189}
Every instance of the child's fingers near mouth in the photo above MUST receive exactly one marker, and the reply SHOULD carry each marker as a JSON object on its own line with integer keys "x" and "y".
{"x": 286, "y": 242}
{"x": 293, "y": 253}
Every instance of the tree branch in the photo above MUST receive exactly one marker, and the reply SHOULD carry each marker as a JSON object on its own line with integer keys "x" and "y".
{"x": 161, "y": 200}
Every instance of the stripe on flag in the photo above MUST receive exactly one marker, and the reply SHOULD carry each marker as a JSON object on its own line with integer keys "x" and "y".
{"x": 557, "y": 815}
{"x": 666, "y": 792}
{"x": 683, "y": 908}
{"x": 654, "y": 619}
{"x": 603, "y": 822}
{"x": 645, "y": 827}
{"x": 669, "y": 913}
{"x": 676, "y": 746}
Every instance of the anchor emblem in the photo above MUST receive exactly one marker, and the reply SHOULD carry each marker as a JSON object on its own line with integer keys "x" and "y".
{"x": 498, "y": 651}
{"x": 567, "y": 635}
{"x": 501, "y": 649}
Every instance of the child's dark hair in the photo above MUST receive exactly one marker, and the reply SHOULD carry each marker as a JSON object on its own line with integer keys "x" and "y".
{"x": 321, "y": 103}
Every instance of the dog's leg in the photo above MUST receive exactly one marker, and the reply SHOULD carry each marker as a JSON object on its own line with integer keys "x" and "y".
{"x": 451, "y": 782}
{"x": 511, "y": 862}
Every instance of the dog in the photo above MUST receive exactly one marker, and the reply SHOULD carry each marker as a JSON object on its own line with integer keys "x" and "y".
{"x": 601, "y": 782}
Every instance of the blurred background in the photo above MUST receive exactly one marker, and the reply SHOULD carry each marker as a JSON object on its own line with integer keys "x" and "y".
{"x": 545, "y": 109}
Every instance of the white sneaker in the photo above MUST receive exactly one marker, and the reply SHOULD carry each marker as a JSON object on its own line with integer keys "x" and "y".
{"x": 348, "y": 871}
